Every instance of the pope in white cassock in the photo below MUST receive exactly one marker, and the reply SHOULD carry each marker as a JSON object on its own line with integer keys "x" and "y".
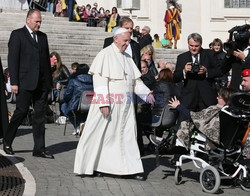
{"x": 108, "y": 143}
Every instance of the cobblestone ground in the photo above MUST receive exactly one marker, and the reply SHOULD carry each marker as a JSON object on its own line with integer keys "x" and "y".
{"x": 56, "y": 177}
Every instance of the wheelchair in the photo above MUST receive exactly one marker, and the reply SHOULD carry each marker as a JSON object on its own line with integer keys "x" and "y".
{"x": 225, "y": 161}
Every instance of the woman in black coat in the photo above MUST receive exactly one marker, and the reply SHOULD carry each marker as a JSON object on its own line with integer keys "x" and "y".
{"x": 164, "y": 89}
{"x": 60, "y": 76}
{"x": 219, "y": 55}
{"x": 60, "y": 72}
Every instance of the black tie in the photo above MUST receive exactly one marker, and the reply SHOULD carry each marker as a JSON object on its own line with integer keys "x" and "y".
{"x": 34, "y": 35}
{"x": 196, "y": 61}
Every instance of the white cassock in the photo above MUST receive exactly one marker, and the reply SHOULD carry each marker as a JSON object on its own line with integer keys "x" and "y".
{"x": 109, "y": 145}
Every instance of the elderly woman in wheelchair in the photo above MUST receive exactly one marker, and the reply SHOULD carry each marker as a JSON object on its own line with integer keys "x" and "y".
{"x": 213, "y": 138}
{"x": 206, "y": 121}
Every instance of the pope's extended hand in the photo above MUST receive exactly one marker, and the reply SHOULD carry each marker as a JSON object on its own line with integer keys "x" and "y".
{"x": 150, "y": 98}
{"x": 105, "y": 111}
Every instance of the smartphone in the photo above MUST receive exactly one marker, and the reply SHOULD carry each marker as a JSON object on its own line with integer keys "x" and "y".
{"x": 52, "y": 61}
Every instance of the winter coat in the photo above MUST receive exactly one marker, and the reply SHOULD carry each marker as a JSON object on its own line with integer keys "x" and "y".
{"x": 163, "y": 91}
{"x": 61, "y": 77}
{"x": 78, "y": 82}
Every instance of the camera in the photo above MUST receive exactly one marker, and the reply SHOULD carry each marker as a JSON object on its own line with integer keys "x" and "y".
{"x": 195, "y": 68}
{"x": 238, "y": 38}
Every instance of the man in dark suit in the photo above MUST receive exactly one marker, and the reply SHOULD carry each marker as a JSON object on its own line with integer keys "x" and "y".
{"x": 31, "y": 80}
{"x": 238, "y": 60}
{"x": 146, "y": 38}
{"x": 133, "y": 48}
{"x": 4, "y": 121}
{"x": 197, "y": 70}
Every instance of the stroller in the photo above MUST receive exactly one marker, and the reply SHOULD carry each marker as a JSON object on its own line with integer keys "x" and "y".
{"x": 226, "y": 160}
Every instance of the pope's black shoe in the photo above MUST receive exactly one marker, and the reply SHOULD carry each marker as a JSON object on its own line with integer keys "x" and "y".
{"x": 43, "y": 155}
{"x": 98, "y": 174}
{"x": 8, "y": 149}
{"x": 138, "y": 177}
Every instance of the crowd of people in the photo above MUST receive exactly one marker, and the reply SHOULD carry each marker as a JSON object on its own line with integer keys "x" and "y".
{"x": 93, "y": 15}
{"x": 124, "y": 67}
{"x": 109, "y": 19}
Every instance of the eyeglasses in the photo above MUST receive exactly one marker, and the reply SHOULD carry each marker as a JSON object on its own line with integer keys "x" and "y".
{"x": 127, "y": 41}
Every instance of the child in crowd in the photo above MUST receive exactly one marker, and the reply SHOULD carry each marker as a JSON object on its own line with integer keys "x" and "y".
{"x": 74, "y": 67}
{"x": 59, "y": 10}
{"x": 165, "y": 42}
{"x": 157, "y": 42}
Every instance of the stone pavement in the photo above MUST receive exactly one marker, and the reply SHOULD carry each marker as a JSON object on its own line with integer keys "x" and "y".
{"x": 56, "y": 177}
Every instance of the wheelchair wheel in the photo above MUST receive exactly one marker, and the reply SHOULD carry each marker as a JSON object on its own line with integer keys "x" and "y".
{"x": 210, "y": 179}
{"x": 245, "y": 183}
{"x": 177, "y": 175}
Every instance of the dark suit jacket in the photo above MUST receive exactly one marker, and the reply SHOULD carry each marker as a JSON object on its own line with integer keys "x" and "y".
{"x": 145, "y": 40}
{"x": 163, "y": 92}
{"x": 148, "y": 79}
{"x": 135, "y": 50}
{"x": 194, "y": 83}
{"x": 28, "y": 61}
{"x": 237, "y": 67}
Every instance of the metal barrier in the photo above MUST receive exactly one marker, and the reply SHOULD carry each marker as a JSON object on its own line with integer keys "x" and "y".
{"x": 40, "y": 3}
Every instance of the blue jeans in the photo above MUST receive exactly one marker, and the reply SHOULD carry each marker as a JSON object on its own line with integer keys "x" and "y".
{"x": 70, "y": 4}
{"x": 50, "y": 7}
{"x": 80, "y": 118}
{"x": 147, "y": 118}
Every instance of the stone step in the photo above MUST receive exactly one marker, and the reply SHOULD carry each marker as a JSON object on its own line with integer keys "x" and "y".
{"x": 5, "y": 17}
{"x": 67, "y": 60}
{"x": 58, "y": 29}
{"x": 74, "y": 41}
{"x": 82, "y": 42}
{"x": 87, "y": 56}
{"x": 77, "y": 47}
{"x": 51, "y": 21}
{"x": 65, "y": 49}
{"x": 13, "y": 19}
{"x": 83, "y": 33}
{"x": 65, "y": 52}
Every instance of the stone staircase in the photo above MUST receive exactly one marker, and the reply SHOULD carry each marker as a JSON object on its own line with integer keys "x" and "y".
{"x": 74, "y": 41}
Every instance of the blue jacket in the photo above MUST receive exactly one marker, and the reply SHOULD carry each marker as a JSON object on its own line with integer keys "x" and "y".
{"x": 78, "y": 82}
